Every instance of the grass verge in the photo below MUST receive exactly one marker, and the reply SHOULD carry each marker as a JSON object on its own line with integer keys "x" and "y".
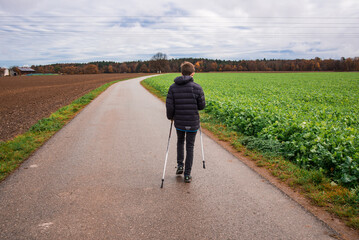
{"x": 311, "y": 183}
{"x": 15, "y": 151}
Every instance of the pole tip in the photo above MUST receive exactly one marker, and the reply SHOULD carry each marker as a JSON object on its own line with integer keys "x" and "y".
{"x": 162, "y": 183}
{"x": 204, "y": 165}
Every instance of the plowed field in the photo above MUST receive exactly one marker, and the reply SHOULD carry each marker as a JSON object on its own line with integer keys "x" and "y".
{"x": 27, "y": 99}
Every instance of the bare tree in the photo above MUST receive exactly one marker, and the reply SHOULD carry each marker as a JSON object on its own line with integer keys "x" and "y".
{"x": 159, "y": 63}
{"x": 144, "y": 69}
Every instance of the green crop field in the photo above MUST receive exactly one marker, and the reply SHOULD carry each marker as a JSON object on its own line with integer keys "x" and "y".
{"x": 311, "y": 118}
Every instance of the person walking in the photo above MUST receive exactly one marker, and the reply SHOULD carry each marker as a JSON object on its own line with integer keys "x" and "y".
{"x": 184, "y": 99}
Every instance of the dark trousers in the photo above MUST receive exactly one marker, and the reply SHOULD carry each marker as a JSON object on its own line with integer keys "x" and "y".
{"x": 190, "y": 139}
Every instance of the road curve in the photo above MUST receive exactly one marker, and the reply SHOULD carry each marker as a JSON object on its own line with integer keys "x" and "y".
{"x": 99, "y": 178}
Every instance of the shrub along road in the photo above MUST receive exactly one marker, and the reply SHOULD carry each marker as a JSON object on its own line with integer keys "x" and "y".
{"x": 99, "y": 178}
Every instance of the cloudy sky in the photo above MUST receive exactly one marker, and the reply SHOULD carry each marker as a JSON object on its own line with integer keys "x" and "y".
{"x": 46, "y": 31}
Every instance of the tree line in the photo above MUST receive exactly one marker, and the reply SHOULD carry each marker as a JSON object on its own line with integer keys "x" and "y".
{"x": 160, "y": 63}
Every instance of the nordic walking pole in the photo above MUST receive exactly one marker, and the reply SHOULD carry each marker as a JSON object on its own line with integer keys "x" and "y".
{"x": 200, "y": 131}
{"x": 168, "y": 146}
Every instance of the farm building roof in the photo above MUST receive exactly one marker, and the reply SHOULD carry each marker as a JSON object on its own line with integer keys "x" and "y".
{"x": 26, "y": 69}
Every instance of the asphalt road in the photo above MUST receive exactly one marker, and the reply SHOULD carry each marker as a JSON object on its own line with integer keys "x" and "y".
{"x": 100, "y": 176}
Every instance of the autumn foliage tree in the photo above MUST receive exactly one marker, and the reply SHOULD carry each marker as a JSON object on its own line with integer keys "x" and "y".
{"x": 212, "y": 67}
{"x": 123, "y": 68}
{"x": 199, "y": 66}
{"x": 91, "y": 69}
{"x": 110, "y": 69}
{"x": 70, "y": 70}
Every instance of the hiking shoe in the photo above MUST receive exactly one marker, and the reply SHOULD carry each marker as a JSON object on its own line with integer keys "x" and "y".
{"x": 179, "y": 170}
{"x": 187, "y": 179}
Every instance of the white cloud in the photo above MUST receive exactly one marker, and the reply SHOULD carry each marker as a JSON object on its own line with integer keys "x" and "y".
{"x": 78, "y": 31}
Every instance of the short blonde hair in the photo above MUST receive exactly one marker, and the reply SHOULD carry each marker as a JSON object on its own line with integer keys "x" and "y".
{"x": 187, "y": 68}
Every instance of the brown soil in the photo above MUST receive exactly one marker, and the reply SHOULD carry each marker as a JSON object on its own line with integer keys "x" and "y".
{"x": 26, "y": 99}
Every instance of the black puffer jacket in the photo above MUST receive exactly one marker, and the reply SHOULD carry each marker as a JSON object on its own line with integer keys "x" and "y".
{"x": 184, "y": 99}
